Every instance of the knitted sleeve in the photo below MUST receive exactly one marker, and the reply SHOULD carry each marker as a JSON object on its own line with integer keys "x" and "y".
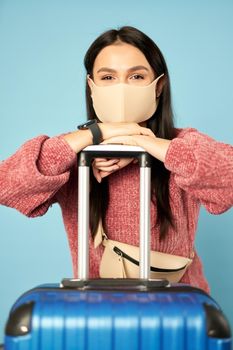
{"x": 203, "y": 167}
{"x": 31, "y": 177}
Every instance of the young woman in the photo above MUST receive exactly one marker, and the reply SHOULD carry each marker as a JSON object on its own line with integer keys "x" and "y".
{"x": 128, "y": 94}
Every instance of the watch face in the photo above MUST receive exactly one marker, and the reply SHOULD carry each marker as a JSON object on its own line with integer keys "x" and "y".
{"x": 86, "y": 124}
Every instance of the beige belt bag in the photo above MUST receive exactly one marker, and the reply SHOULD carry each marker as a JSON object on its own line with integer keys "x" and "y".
{"x": 121, "y": 260}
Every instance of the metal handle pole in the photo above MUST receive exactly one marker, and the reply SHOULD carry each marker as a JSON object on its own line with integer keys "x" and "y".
{"x": 83, "y": 221}
{"x": 145, "y": 197}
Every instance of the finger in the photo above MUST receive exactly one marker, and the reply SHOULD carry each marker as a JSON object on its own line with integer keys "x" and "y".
{"x": 104, "y": 159}
{"x": 100, "y": 159}
{"x": 97, "y": 175}
{"x": 146, "y": 131}
{"x": 105, "y": 173}
{"x": 121, "y": 164}
{"x": 109, "y": 168}
{"x": 124, "y": 161}
{"x": 121, "y": 140}
{"x": 136, "y": 129}
{"x": 98, "y": 163}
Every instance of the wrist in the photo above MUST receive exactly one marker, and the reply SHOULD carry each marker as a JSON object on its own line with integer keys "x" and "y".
{"x": 157, "y": 147}
{"x": 79, "y": 139}
{"x": 101, "y": 127}
{"x": 161, "y": 148}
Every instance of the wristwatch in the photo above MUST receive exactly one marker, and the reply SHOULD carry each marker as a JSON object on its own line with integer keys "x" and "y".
{"x": 92, "y": 125}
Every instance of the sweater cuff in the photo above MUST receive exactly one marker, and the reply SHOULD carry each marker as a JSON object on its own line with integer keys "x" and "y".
{"x": 180, "y": 158}
{"x": 56, "y": 157}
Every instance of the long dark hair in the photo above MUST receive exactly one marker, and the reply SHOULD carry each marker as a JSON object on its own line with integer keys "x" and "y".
{"x": 161, "y": 123}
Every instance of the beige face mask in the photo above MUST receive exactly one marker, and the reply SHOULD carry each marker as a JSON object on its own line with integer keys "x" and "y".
{"x": 124, "y": 102}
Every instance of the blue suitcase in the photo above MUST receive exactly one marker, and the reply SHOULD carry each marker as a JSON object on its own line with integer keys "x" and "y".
{"x": 113, "y": 314}
{"x": 124, "y": 316}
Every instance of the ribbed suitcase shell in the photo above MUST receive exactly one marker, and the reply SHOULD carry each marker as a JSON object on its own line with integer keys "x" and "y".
{"x": 170, "y": 318}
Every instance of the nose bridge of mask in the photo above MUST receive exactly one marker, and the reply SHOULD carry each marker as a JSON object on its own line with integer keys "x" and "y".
{"x": 123, "y": 96}
{"x": 117, "y": 95}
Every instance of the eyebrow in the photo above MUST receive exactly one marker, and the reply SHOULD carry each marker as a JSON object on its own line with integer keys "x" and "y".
{"x": 106, "y": 69}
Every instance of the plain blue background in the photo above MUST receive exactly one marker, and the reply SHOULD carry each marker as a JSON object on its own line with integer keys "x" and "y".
{"x": 42, "y": 45}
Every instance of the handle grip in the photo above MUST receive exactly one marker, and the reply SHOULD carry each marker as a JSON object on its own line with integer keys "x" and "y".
{"x": 113, "y": 150}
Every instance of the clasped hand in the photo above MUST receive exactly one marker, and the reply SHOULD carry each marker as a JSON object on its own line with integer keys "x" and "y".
{"x": 121, "y": 133}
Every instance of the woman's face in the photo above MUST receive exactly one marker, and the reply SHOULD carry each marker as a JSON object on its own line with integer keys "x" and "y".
{"x": 122, "y": 63}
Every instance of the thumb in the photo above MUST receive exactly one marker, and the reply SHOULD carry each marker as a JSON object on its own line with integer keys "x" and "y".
{"x": 124, "y": 161}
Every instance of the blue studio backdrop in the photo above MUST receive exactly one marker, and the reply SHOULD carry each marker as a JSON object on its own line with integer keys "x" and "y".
{"x": 42, "y": 80}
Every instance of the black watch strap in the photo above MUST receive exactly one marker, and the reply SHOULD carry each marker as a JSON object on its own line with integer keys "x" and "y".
{"x": 96, "y": 133}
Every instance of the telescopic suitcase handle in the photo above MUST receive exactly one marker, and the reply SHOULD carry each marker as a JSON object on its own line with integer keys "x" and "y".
{"x": 84, "y": 163}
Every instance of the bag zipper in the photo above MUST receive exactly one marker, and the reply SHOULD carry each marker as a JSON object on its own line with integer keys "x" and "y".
{"x": 118, "y": 251}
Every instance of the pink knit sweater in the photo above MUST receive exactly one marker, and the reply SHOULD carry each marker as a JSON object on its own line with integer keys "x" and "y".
{"x": 44, "y": 171}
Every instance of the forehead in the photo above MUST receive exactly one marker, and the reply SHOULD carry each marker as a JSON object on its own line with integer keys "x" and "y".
{"x": 120, "y": 57}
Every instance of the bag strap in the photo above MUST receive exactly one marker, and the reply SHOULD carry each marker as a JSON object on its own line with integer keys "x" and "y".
{"x": 100, "y": 235}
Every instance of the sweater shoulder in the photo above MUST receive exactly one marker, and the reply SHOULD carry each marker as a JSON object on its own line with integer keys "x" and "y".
{"x": 181, "y": 132}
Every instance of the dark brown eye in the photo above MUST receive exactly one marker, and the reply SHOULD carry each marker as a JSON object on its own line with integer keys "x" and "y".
{"x": 107, "y": 77}
{"x": 137, "y": 76}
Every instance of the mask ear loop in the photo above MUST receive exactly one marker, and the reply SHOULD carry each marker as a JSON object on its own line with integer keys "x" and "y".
{"x": 160, "y": 76}
{"x": 151, "y": 120}
{"x": 89, "y": 77}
